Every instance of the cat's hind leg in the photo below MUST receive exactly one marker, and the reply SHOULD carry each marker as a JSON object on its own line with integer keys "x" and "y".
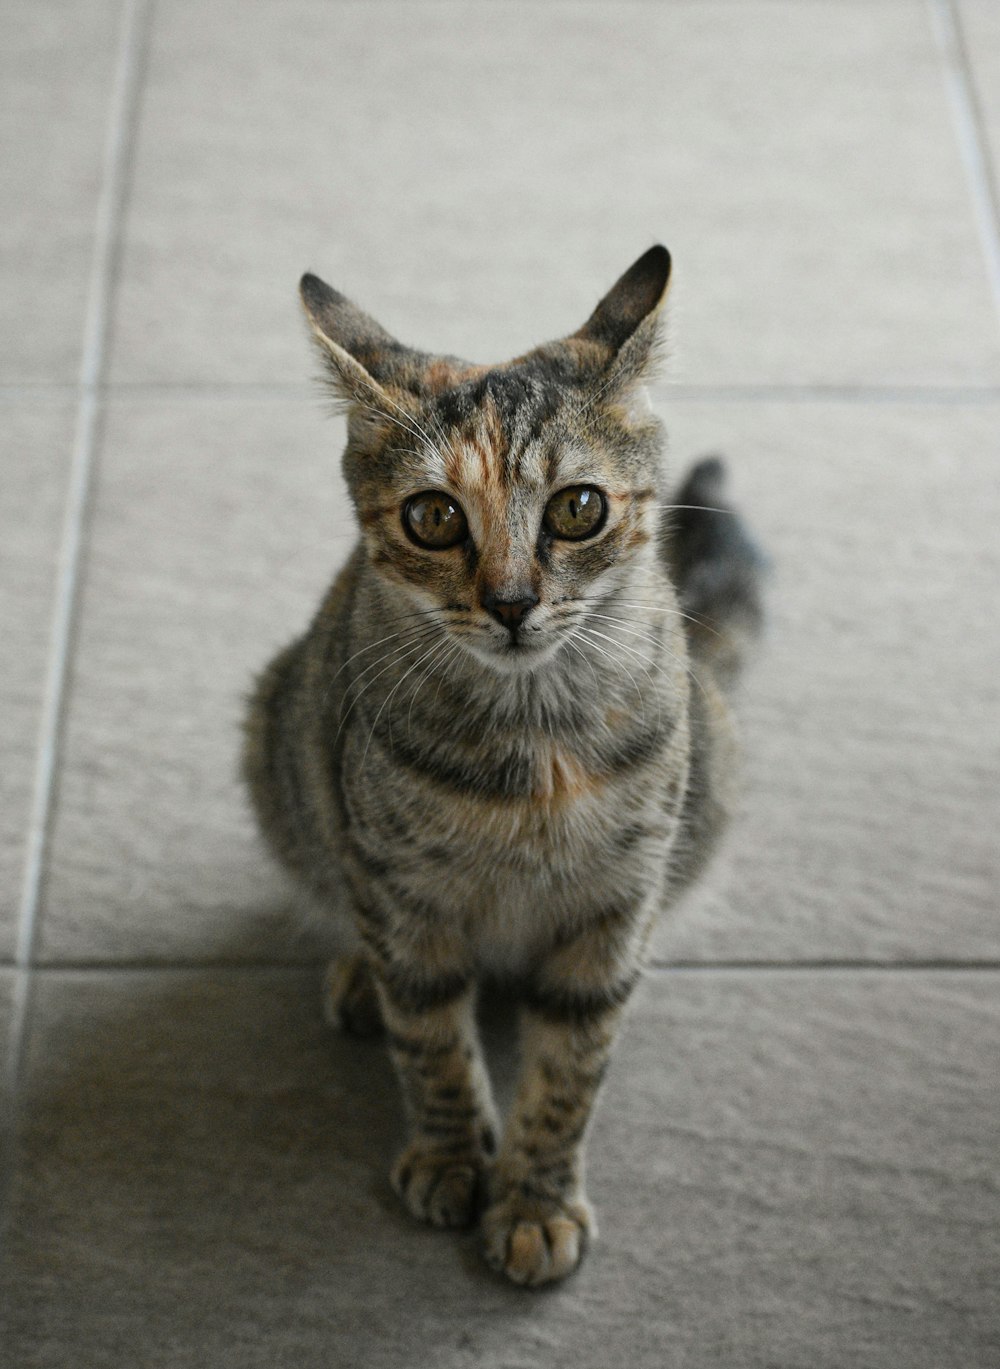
{"x": 350, "y": 1002}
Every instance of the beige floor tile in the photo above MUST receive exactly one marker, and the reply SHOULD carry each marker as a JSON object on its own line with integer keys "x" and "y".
{"x": 477, "y": 174}
{"x": 790, "y": 1169}
{"x": 38, "y": 440}
{"x": 873, "y": 716}
{"x": 56, "y": 66}
{"x": 216, "y": 526}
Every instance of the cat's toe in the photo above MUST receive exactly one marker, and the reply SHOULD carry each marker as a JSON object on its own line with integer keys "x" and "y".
{"x": 442, "y": 1189}
{"x": 535, "y": 1243}
{"x": 350, "y": 1002}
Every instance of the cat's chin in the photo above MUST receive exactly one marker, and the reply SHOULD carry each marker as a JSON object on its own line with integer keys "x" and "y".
{"x": 519, "y": 658}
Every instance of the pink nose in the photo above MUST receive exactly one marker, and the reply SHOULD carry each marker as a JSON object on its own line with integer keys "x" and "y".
{"x": 510, "y": 612}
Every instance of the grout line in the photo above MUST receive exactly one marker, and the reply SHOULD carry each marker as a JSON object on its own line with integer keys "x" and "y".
{"x": 831, "y": 964}
{"x": 949, "y": 965}
{"x": 971, "y": 138}
{"x": 182, "y": 966}
{"x": 828, "y": 394}
{"x": 119, "y": 140}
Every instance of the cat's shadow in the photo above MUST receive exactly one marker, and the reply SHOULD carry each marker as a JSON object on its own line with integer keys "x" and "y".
{"x": 190, "y": 1120}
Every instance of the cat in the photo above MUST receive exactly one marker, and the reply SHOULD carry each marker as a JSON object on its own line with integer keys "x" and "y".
{"x": 505, "y": 735}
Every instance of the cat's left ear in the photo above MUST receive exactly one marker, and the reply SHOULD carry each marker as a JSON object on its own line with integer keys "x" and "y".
{"x": 359, "y": 354}
{"x": 624, "y": 326}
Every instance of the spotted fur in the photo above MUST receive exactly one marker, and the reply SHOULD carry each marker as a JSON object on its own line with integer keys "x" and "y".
{"x": 501, "y": 800}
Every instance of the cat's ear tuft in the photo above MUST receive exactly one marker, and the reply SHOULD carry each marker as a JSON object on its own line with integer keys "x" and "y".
{"x": 353, "y": 346}
{"x": 624, "y": 325}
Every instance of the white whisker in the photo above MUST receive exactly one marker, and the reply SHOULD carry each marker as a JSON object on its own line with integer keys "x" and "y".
{"x": 456, "y": 650}
{"x": 661, "y": 647}
{"x": 399, "y": 655}
{"x": 568, "y": 641}
{"x": 371, "y": 647}
{"x": 654, "y": 608}
{"x": 413, "y": 634}
{"x": 413, "y": 426}
{"x": 388, "y": 700}
{"x": 625, "y": 626}
{"x": 602, "y": 651}
{"x": 444, "y": 648}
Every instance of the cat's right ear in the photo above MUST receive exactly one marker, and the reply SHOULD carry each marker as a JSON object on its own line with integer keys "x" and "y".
{"x": 355, "y": 349}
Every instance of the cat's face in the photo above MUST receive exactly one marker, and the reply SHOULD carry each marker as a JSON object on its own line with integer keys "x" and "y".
{"x": 505, "y": 502}
{"x": 515, "y": 508}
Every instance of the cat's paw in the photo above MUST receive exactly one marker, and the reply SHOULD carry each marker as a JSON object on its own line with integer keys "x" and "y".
{"x": 350, "y": 1002}
{"x": 536, "y": 1241}
{"x": 441, "y": 1188}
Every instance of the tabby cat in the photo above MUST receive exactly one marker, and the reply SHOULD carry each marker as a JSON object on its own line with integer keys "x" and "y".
{"x": 490, "y": 742}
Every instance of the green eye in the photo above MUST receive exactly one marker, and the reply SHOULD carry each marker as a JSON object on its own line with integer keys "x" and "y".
{"x": 434, "y": 520}
{"x": 575, "y": 512}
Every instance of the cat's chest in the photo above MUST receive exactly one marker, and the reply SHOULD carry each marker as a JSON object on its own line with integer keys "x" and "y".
{"x": 528, "y": 820}
{"x": 526, "y": 841}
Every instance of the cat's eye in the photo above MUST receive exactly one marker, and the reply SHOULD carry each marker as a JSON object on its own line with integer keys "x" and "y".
{"x": 575, "y": 512}
{"x": 433, "y": 520}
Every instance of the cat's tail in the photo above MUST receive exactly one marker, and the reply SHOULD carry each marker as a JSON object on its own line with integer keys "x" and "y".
{"x": 718, "y": 569}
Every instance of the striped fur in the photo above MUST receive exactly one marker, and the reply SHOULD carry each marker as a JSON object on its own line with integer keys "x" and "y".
{"x": 497, "y": 800}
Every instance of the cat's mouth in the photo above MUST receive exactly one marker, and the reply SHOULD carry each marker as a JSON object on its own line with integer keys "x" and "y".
{"x": 516, "y": 652}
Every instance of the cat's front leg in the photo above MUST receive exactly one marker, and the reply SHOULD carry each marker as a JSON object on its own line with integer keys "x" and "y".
{"x": 539, "y": 1220}
{"x": 431, "y": 1031}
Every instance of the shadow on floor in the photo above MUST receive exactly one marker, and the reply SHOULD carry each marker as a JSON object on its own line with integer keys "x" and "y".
{"x": 202, "y": 1159}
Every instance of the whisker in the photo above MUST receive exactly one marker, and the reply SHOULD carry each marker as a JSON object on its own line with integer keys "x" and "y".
{"x": 456, "y": 650}
{"x": 651, "y": 607}
{"x": 623, "y": 646}
{"x": 410, "y": 421}
{"x": 412, "y": 634}
{"x": 574, "y": 647}
{"x": 660, "y": 608}
{"x": 403, "y": 427}
{"x": 443, "y": 437}
{"x": 617, "y": 664}
{"x": 625, "y": 626}
{"x": 626, "y": 603}
{"x": 644, "y": 664}
{"x": 443, "y": 651}
{"x": 591, "y": 401}
{"x": 388, "y": 700}
{"x": 662, "y": 647}
{"x": 373, "y": 645}
{"x": 399, "y": 655}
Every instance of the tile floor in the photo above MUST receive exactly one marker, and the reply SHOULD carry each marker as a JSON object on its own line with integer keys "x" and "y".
{"x": 796, "y": 1156}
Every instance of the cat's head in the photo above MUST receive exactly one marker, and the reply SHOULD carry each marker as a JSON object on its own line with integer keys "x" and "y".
{"x": 503, "y": 499}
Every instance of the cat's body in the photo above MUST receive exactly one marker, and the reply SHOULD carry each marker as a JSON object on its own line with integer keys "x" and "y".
{"x": 491, "y": 738}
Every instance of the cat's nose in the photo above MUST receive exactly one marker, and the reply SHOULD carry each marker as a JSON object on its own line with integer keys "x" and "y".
{"x": 510, "y": 612}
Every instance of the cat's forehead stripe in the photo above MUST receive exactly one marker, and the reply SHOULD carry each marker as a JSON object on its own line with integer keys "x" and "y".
{"x": 513, "y": 402}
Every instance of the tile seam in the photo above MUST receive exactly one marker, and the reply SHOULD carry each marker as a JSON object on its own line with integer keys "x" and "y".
{"x": 658, "y": 966}
{"x": 970, "y": 136}
{"x": 115, "y": 164}
{"x": 834, "y": 965}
